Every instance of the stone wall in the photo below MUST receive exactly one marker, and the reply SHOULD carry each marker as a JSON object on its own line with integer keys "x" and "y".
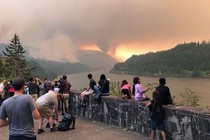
{"x": 180, "y": 123}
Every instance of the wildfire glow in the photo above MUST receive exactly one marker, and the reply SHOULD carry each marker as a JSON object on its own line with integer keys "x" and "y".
{"x": 124, "y": 52}
{"x": 90, "y": 48}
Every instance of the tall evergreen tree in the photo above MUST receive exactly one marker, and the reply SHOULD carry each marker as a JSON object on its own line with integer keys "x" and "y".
{"x": 15, "y": 64}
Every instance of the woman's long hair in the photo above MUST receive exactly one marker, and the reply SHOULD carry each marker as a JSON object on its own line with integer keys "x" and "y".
{"x": 135, "y": 81}
{"x": 102, "y": 77}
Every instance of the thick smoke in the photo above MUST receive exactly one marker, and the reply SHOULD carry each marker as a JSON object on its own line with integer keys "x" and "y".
{"x": 59, "y": 28}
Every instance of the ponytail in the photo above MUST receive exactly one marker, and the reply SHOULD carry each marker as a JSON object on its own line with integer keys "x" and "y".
{"x": 133, "y": 89}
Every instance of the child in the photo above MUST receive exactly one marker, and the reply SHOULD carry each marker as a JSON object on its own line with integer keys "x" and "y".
{"x": 125, "y": 90}
{"x": 155, "y": 106}
{"x": 138, "y": 91}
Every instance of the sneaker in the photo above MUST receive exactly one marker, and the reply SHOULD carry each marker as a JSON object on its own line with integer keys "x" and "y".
{"x": 52, "y": 130}
{"x": 40, "y": 131}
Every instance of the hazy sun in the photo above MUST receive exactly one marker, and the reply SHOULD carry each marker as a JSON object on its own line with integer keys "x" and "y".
{"x": 124, "y": 52}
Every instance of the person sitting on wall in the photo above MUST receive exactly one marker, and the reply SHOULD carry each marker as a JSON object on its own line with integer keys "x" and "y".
{"x": 156, "y": 109}
{"x": 165, "y": 92}
{"x": 125, "y": 90}
{"x": 138, "y": 90}
{"x": 89, "y": 91}
{"x": 103, "y": 85}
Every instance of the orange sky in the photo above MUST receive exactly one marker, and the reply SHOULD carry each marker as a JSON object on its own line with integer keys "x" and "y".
{"x": 120, "y": 27}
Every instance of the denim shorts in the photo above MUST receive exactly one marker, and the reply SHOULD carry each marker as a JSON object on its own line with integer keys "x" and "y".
{"x": 155, "y": 125}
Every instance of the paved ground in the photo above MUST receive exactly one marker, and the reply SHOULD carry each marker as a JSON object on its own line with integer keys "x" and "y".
{"x": 85, "y": 130}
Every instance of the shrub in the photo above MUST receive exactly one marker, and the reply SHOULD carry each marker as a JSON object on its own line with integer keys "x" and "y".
{"x": 189, "y": 98}
{"x": 115, "y": 88}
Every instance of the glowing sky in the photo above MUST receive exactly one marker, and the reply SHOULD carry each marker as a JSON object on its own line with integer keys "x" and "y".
{"x": 117, "y": 27}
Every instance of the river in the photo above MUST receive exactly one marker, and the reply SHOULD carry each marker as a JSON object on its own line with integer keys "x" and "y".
{"x": 177, "y": 85}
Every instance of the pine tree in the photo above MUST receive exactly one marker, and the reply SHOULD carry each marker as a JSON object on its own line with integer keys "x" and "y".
{"x": 15, "y": 64}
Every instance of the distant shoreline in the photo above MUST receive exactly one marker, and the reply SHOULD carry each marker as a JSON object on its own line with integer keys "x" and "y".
{"x": 156, "y": 76}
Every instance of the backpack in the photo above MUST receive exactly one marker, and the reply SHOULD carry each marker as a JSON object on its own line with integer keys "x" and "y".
{"x": 66, "y": 122}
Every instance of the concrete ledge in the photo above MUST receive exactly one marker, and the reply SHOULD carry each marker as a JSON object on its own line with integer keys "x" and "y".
{"x": 181, "y": 123}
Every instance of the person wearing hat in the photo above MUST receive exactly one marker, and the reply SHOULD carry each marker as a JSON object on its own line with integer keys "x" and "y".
{"x": 18, "y": 112}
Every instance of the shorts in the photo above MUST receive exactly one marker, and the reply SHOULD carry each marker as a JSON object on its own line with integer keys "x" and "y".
{"x": 126, "y": 92}
{"x": 87, "y": 92}
{"x": 155, "y": 125}
{"x": 44, "y": 111}
{"x": 34, "y": 96}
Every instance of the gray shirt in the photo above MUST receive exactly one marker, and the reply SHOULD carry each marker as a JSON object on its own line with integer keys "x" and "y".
{"x": 18, "y": 109}
{"x": 49, "y": 99}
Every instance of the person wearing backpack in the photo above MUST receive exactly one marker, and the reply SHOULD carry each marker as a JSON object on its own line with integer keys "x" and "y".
{"x": 156, "y": 109}
{"x": 103, "y": 84}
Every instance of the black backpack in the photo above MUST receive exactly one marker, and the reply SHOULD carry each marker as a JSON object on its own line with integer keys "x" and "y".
{"x": 66, "y": 122}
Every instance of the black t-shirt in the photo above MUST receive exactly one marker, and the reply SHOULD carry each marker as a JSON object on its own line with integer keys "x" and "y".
{"x": 33, "y": 88}
{"x": 165, "y": 94}
{"x": 156, "y": 111}
{"x": 104, "y": 86}
{"x": 92, "y": 83}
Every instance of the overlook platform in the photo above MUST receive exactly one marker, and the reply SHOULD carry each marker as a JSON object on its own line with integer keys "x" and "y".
{"x": 85, "y": 130}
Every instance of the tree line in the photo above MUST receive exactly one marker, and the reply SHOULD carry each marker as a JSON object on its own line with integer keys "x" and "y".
{"x": 187, "y": 59}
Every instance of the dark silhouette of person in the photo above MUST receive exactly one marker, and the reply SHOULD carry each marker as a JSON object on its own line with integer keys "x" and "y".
{"x": 164, "y": 91}
{"x": 103, "y": 85}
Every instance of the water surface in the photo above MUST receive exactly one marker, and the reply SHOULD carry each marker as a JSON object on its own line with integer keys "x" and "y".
{"x": 177, "y": 85}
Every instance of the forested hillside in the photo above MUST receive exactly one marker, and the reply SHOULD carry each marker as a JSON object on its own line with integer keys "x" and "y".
{"x": 188, "y": 59}
{"x": 42, "y": 68}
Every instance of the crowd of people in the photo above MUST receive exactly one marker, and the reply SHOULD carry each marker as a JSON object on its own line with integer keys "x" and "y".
{"x": 39, "y": 100}
{"x": 161, "y": 96}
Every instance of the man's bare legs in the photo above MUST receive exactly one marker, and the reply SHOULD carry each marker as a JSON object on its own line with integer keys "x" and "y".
{"x": 82, "y": 98}
{"x": 163, "y": 135}
{"x": 40, "y": 130}
{"x": 153, "y": 135}
{"x": 50, "y": 120}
